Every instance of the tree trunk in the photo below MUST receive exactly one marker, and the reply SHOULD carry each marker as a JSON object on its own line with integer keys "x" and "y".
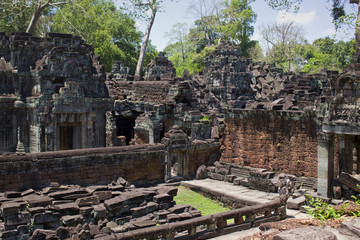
{"x": 35, "y": 17}
{"x": 145, "y": 42}
{"x": 357, "y": 36}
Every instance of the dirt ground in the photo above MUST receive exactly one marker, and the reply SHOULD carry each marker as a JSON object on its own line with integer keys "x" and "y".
{"x": 269, "y": 230}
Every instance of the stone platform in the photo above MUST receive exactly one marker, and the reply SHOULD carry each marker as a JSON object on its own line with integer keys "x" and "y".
{"x": 227, "y": 192}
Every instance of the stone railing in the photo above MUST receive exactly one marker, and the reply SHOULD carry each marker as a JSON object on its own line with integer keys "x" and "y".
{"x": 212, "y": 225}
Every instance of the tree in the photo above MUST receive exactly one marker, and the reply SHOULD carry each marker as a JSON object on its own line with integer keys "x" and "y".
{"x": 208, "y": 12}
{"x": 282, "y": 40}
{"x": 143, "y": 7}
{"x": 111, "y": 31}
{"x": 39, "y": 9}
{"x": 15, "y": 15}
{"x": 178, "y": 39}
{"x": 337, "y": 11}
{"x": 326, "y": 53}
{"x": 238, "y": 19}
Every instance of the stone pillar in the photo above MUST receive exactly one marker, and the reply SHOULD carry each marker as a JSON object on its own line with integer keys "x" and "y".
{"x": 325, "y": 163}
{"x": 345, "y": 154}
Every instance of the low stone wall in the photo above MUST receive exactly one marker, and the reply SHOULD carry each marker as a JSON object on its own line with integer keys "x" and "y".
{"x": 202, "y": 153}
{"x": 84, "y": 167}
{"x": 276, "y": 140}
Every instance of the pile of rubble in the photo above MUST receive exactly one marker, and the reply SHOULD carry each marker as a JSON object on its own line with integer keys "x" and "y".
{"x": 62, "y": 212}
{"x": 254, "y": 178}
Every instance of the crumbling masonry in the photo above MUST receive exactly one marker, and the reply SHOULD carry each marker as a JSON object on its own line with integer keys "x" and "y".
{"x": 55, "y": 95}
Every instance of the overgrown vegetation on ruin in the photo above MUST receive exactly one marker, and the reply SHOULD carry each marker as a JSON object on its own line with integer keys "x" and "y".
{"x": 206, "y": 205}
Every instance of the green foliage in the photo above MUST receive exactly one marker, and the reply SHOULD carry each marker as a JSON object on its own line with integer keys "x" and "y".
{"x": 194, "y": 62}
{"x": 111, "y": 31}
{"x": 321, "y": 210}
{"x": 206, "y": 119}
{"x": 238, "y": 22}
{"x": 15, "y": 15}
{"x": 326, "y": 53}
{"x": 206, "y": 205}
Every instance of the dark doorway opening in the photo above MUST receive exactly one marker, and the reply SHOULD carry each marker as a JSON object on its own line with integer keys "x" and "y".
{"x": 125, "y": 127}
{"x": 66, "y": 137}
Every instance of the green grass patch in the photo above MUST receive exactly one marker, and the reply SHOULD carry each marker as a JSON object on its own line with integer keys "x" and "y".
{"x": 204, "y": 204}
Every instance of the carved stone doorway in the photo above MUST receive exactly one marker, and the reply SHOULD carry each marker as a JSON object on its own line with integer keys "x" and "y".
{"x": 69, "y": 136}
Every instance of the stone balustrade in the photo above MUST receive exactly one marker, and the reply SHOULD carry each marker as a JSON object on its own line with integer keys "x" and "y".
{"x": 216, "y": 224}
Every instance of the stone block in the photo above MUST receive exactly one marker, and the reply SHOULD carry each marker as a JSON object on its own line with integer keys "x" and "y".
{"x": 201, "y": 172}
{"x": 195, "y": 213}
{"x": 295, "y": 203}
{"x": 171, "y": 191}
{"x": 185, "y": 216}
{"x": 47, "y": 217}
{"x": 353, "y": 226}
{"x": 162, "y": 198}
{"x": 217, "y": 176}
{"x": 11, "y": 208}
{"x": 10, "y": 234}
{"x": 64, "y": 195}
{"x": 72, "y": 220}
{"x": 230, "y": 178}
{"x": 97, "y": 188}
{"x": 211, "y": 169}
{"x": 179, "y": 208}
{"x": 67, "y": 208}
{"x": 12, "y": 221}
{"x": 12, "y": 194}
{"x": 103, "y": 195}
{"x": 37, "y": 201}
{"x": 44, "y": 234}
{"x": 172, "y": 217}
{"x": 144, "y": 224}
{"x": 35, "y": 210}
{"x": 99, "y": 211}
{"x": 306, "y": 233}
{"x": 141, "y": 211}
{"x": 114, "y": 203}
{"x": 86, "y": 211}
{"x": 160, "y": 215}
{"x": 87, "y": 201}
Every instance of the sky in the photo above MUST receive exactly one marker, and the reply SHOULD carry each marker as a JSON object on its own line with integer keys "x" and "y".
{"x": 314, "y": 17}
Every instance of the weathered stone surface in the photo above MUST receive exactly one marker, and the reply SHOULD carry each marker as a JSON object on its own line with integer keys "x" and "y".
{"x": 103, "y": 195}
{"x": 37, "y": 201}
{"x": 171, "y": 191}
{"x": 87, "y": 201}
{"x": 201, "y": 172}
{"x": 44, "y": 234}
{"x": 352, "y": 181}
{"x": 179, "y": 208}
{"x": 295, "y": 203}
{"x": 306, "y": 233}
{"x": 68, "y": 208}
{"x": 72, "y": 220}
{"x": 47, "y": 217}
{"x": 352, "y": 225}
{"x": 10, "y": 208}
{"x": 99, "y": 211}
{"x": 162, "y": 198}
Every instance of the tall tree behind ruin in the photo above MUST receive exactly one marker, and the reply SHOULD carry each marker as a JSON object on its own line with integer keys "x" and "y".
{"x": 282, "y": 39}
{"x": 337, "y": 12}
{"x": 100, "y": 23}
{"x": 142, "y": 8}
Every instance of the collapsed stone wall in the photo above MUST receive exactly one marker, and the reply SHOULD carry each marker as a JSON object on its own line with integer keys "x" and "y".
{"x": 279, "y": 141}
{"x": 83, "y": 167}
{"x": 142, "y": 165}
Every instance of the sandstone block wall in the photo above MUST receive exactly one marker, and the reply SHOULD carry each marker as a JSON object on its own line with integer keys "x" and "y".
{"x": 203, "y": 153}
{"x": 83, "y": 167}
{"x": 279, "y": 141}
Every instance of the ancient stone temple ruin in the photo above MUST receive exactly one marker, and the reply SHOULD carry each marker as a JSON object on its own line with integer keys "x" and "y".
{"x": 65, "y": 120}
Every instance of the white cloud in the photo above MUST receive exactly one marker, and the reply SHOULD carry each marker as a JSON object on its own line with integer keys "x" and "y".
{"x": 300, "y": 18}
